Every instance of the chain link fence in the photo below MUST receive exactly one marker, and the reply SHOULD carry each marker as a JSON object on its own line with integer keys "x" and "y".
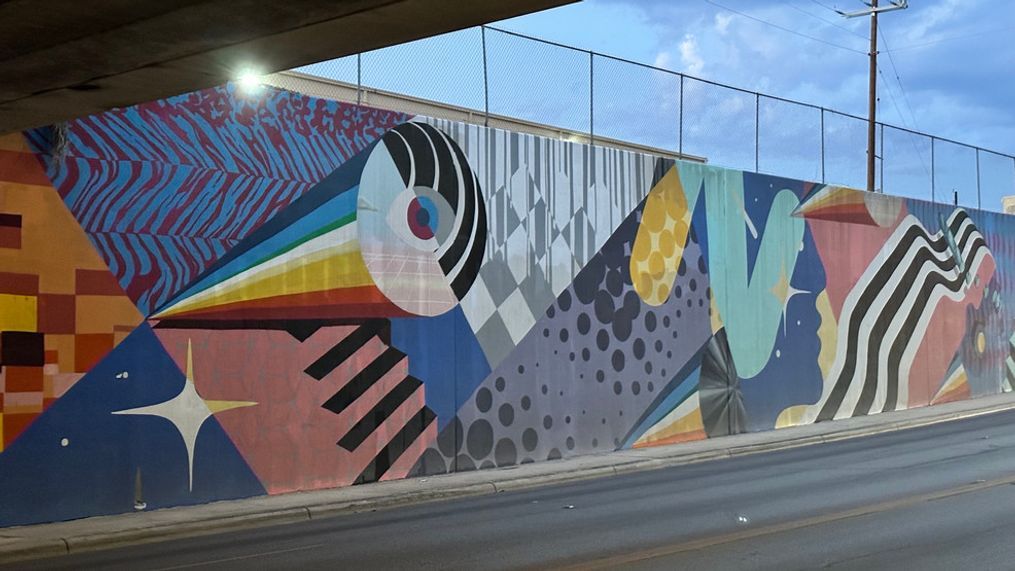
{"x": 486, "y": 73}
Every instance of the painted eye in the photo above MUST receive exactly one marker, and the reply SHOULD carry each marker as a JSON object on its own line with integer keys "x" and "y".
{"x": 422, "y": 217}
{"x": 416, "y": 216}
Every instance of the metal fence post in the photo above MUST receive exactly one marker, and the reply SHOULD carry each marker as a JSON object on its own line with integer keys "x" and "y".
{"x": 592, "y": 108}
{"x": 359, "y": 79}
{"x": 979, "y": 200}
{"x": 757, "y": 129}
{"x": 933, "y": 172}
{"x": 882, "y": 143}
{"x": 1013, "y": 179}
{"x": 680, "y": 121}
{"x": 486, "y": 81}
{"x": 822, "y": 145}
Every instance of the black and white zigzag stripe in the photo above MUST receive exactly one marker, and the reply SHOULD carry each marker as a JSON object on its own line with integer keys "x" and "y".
{"x": 426, "y": 157}
{"x": 884, "y": 318}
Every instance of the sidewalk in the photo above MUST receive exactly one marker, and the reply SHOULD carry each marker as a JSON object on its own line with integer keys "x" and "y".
{"x": 47, "y": 540}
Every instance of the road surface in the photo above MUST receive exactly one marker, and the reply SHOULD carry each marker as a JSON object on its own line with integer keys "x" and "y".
{"x": 937, "y": 497}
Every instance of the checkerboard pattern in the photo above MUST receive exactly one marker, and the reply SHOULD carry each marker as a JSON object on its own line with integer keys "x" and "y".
{"x": 59, "y": 320}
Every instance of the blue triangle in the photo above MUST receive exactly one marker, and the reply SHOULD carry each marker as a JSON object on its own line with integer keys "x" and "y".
{"x": 445, "y": 354}
{"x": 42, "y": 480}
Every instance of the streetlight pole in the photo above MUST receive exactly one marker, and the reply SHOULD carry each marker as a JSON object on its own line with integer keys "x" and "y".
{"x": 872, "y": 105}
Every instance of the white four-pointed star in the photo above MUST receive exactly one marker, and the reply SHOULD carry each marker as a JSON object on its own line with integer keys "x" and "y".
{"x": 187, "y": 411}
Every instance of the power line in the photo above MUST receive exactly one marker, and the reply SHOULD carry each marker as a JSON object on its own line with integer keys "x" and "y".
{"x": 891, "y": 96}
{"x": 829, "y": 22}
{"x": 898, "y": 79}
{"x": 794, "y": 32}
{"x": 951, "y": 38}
{"x": 823, "y": 5}
{"x": 902, "y": 117}
{"x": 905, "y": 100}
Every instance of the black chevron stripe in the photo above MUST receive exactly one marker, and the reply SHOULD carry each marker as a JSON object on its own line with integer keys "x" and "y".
{"x": 863, "y": 305}
{"x": 347, "y": 347}
{"x": 888, "y": 316}
{"x": 872, "y": 290}
{"x": 364, "y": 380}
{"x": 390, "y": 453}
{"x": 399, "y": 151}
{"x": 421, "y": 157}
{"x": 463, "y": 281}
{"x": 905, "y": 334}
{"x": 447, "y": 183}
{"x": 381, "y": 411}
{"x": 466, "y": 212}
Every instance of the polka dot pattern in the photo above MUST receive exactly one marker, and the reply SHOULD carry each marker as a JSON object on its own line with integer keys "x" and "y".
{"x": 589, "y": 368}
{"x": 659, "y": 245}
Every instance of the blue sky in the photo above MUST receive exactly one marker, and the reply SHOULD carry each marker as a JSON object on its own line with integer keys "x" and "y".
{"x": 953, "y": 59}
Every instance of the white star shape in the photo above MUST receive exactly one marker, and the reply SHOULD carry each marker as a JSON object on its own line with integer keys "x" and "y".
{"x": 187, "y": 411}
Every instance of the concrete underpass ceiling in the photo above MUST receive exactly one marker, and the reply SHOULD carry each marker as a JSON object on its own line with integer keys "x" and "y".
{"x": 62, "y": 59}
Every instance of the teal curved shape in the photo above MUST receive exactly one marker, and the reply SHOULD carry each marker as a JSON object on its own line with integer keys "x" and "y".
{"x": 748, "y": 304}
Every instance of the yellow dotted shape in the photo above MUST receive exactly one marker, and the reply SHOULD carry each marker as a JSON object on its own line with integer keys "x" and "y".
{"x": 659, "y": 244}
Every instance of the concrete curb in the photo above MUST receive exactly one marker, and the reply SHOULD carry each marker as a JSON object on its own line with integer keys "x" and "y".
{"x": 106, "y": 532}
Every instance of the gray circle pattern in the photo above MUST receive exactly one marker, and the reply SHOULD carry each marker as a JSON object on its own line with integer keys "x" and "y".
{"x": 589, "y": 404}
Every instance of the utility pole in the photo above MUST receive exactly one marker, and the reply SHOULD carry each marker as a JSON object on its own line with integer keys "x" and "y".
{"x": 872, "y": 104}
{"x": 872, "y": 96}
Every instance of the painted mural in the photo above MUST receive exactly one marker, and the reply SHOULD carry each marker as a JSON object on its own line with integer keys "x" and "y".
{"x": 223, "y": 295}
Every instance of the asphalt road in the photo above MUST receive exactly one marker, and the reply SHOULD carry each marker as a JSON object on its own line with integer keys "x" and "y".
{"x": 938, "y": 497}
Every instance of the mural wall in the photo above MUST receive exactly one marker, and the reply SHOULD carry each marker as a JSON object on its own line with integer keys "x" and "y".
{"x": 221, "y": 295}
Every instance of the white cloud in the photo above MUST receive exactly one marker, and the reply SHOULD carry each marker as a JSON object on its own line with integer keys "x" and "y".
{"x": 937, "y": 17}
{"x": 722, "y": 22}
{"x": 663, "y": 60}
{"x": 689, "y": 56}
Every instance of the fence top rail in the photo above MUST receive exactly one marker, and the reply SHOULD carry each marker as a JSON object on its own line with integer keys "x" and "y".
{"x": 947, "y": 140}
{"x": 742, "y": 90}
{"x": 540, "y": 40}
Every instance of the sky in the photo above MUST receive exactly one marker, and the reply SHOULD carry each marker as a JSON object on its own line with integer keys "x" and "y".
{"x": 954, "y": 57}
{"x": 944, "y": 68}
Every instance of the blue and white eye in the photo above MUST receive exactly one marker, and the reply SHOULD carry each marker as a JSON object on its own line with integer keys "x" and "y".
{"x": 420, "y": 219}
